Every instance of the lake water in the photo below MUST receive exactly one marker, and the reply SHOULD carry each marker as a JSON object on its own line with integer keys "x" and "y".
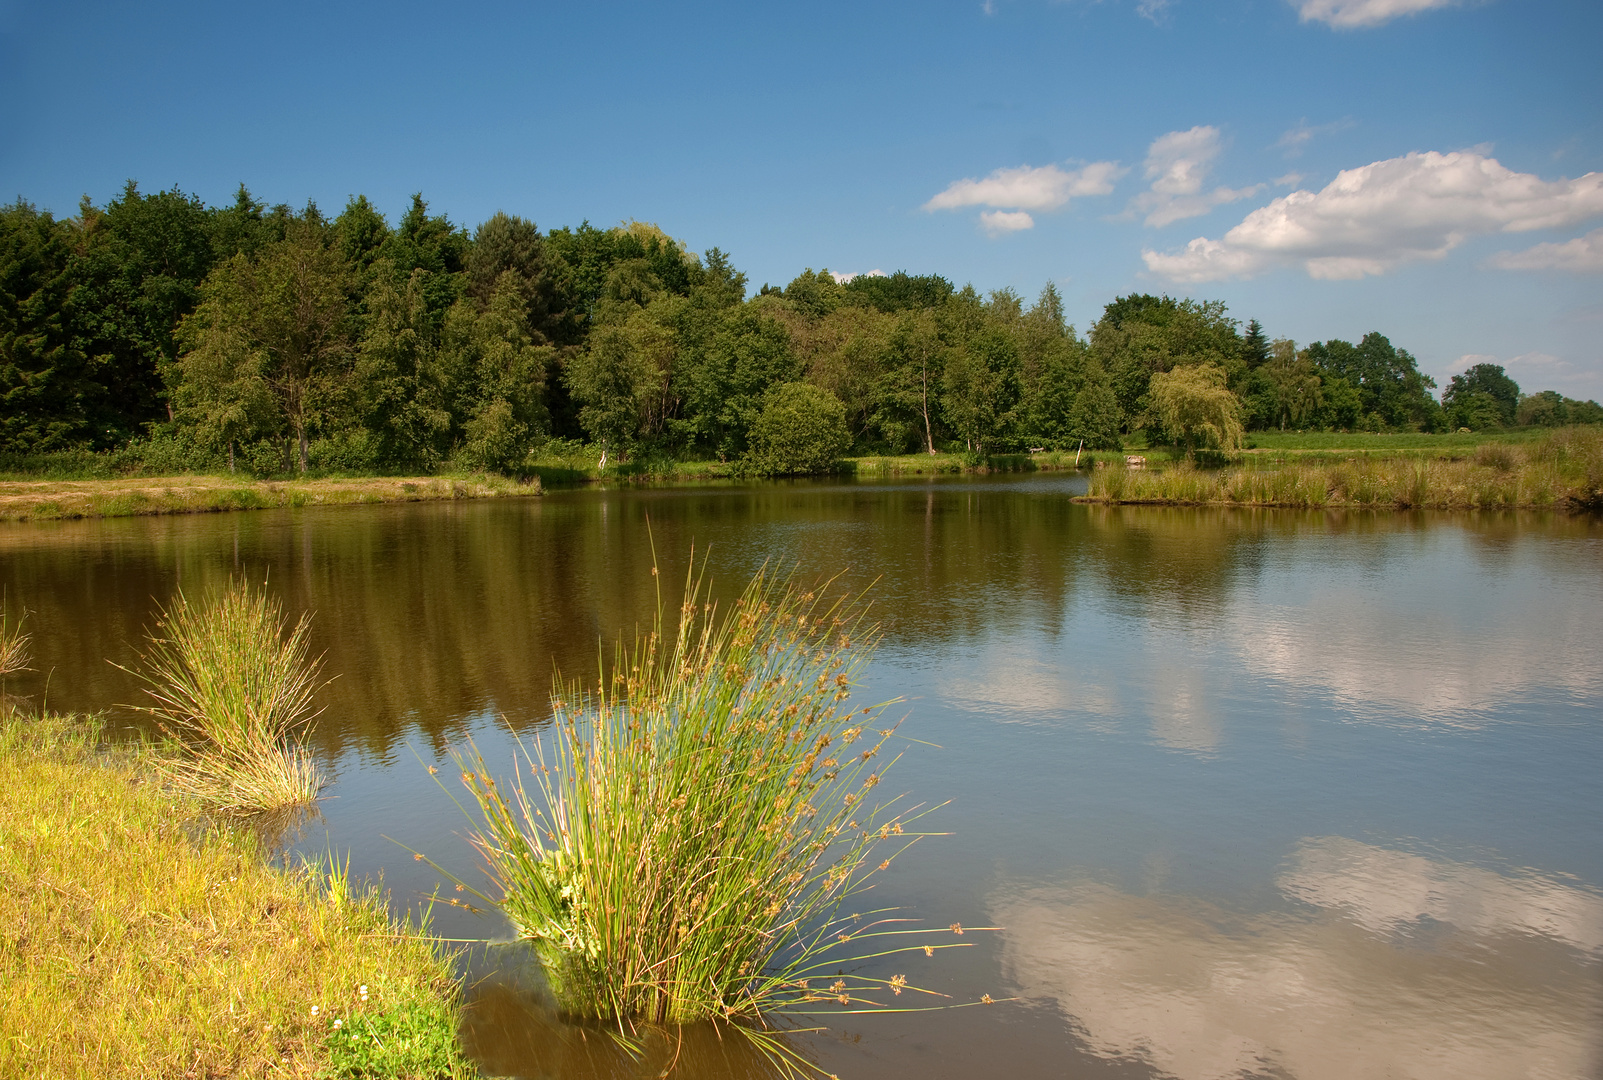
{"x": 1274, "y": 794}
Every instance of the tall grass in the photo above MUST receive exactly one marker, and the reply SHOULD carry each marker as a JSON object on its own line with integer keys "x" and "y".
{"x": 680, "y": 847}
{"x": 1562, "y": 470}
{"x": 237, "y": 691}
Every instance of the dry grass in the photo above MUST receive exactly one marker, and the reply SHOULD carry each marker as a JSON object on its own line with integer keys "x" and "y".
{"x": 135, "y": 944}
{"x": 40, "y": 500}
{"x": 1563, "y": 470}
{"x": 237, "y": 693}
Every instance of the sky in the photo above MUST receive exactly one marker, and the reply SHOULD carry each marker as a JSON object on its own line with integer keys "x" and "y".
{"x": 1428, "y": 169}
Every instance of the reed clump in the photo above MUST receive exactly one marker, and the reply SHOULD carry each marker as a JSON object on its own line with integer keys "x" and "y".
{"x": 1563, "y": 470}
{"x": 236, "y": 691}
{"x": 680, "y": 845}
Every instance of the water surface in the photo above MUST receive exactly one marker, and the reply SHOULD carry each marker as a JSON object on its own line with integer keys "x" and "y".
{"x": 1272, "y": 793}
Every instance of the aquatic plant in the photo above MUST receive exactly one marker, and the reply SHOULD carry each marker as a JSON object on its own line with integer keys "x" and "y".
{"x": 680, "y": 846}
{"x": 237, "y": 692}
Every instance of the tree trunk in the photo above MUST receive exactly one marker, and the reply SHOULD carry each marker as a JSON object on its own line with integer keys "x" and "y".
{"x": 230, "y": 456}
{"x": 300, "y": 433}
{"x": 924, "y": 394}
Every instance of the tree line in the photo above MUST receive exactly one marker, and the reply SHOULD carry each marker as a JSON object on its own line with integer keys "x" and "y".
{"x": 278, "y": 339}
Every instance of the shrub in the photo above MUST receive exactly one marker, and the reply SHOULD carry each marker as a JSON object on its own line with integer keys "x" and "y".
{"x": 801, "y": 430}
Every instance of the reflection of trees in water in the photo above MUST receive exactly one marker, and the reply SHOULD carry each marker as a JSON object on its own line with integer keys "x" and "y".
{"x": 1405, "y": 966}
{"x": 430, "y": 614}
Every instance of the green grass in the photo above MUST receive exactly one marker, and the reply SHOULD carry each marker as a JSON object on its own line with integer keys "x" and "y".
{"x": 139, "y": 942}
{"x": 1444, "y": 444}
{"x": 236, "y": 692}
{"x": 1561, "y": 469}
{"x": 681, "y": 845}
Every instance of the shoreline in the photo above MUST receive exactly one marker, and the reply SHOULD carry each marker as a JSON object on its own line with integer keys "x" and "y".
{"x": 149, "y": 940}
{"x": 67, "y": 500}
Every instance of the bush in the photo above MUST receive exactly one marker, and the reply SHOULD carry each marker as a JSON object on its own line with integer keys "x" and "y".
{"x": 801, "y": 430}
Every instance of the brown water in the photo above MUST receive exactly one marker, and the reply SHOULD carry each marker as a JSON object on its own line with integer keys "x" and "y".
{"x": 1251, "y": 793}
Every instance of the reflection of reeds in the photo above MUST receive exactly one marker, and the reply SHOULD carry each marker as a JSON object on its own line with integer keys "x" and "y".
{"x": 1562, "y": 470}
{"x": 683, "y": 847}
{"x": 237, "y": 692}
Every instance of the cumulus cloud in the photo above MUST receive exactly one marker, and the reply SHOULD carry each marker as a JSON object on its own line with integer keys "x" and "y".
{"x": 1029, "y": 188}
{"x": 1583, "y": 255}
{"x": 1013, "y": 192}
{"x": 1373, "y": 219}
{"x": 1178, "y": 164}
{"x": 1356, "y": 14}
{"x": 997, "y": 222}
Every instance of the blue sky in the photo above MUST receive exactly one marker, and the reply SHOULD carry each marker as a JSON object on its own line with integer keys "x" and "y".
{"x": 1425, "y": 168}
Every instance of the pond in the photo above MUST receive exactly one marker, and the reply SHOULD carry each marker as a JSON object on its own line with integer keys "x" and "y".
{"x": 1269, "y": 793}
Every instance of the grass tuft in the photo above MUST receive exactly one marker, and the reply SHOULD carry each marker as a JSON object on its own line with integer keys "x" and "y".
{"x": 236, "y": 692}
{"x": 680, "y": 846}
{"x": 14, "y": 643}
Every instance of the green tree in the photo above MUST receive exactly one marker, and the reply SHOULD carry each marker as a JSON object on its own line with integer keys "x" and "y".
{"x": 1141, "y": 335}
{"x": 499, "y": 365}
{"x": 403, "y": 406}
{"x": 1255, "y": 348}
{"x": 1095, "y": 416}
{"x": 1294, "y": 384}
{"x": 1196, "y": 409}
{"x": 979, "y": 381}
{"x": 45, "y": 378}
{"x": 1460, "y": 399}
{"x": 140, "y": 264}
{"x": 1391, "y": 388}
{"x": 914, "y": 374}
{"x": 281, "y": 318}
{"x": 801, "y": 429}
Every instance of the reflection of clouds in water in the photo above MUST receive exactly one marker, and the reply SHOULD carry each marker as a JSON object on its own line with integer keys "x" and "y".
{"x": 1387, "y": 646}
{"x": 1388, "y": 891}
{"x": 1198, "y": 994}
{"x": 1013, "y": 685}
{"x": 1007, "y": 680}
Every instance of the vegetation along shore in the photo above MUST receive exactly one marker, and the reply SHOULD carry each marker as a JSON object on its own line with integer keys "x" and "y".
{"x": 1562, "y": 471}
{"x": 145, "y": 933}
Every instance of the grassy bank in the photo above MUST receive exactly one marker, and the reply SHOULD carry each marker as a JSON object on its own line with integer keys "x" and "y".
{"x": 137, "y": 941}
{"x": 1562, "y": 469}
{"x": 44, "y": 500}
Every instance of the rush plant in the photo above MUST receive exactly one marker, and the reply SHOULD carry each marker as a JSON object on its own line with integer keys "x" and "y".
{"x": 680, "y": 844}
{"x": 232, "y": 682}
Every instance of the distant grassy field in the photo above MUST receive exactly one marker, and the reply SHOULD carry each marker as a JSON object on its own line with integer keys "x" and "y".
{"x": 1560, "y": 469}
{"x": 43, "y": 500}
{"x": 1448, "y": 444}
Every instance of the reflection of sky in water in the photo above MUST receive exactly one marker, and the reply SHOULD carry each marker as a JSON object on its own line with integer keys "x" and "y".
{"x": 1498, "y": 990}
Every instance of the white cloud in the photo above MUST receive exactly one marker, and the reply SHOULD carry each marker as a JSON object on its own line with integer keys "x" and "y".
{"x": 844, "y": 278}
{"x": 1373, "y": 219}
{"x": 1291, "y": 179}
{"x": 1154, "y": 11}
{"x": 1177, "y": 164}
{"x": 1583, "y": 255}
{"x": 1302, "y": 133}
{"x": 998, "y": 222}
{"x": 1029, "y": 188}
{"x": 1354, "y": 14}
